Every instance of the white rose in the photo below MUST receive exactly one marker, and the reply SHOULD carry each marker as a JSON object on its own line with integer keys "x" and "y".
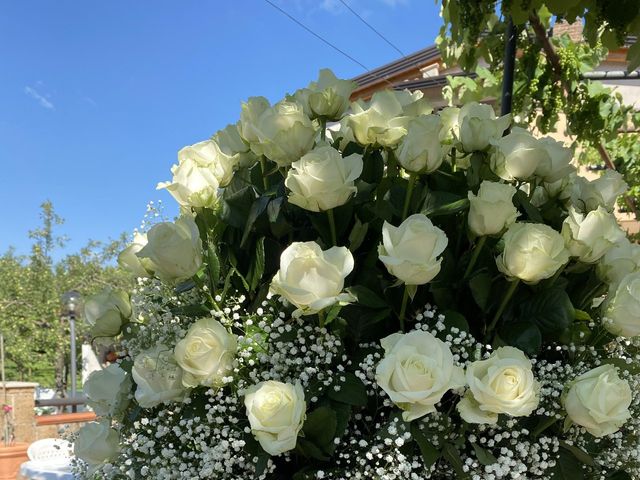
{"x": 590, "y": 236}
{"x": 622, "y": 307}
{"x": 107, "y": 311}
{"x": 503, "y": 383}
{"x": 174, "y": 249}
{"x": 208, "y": 154}
{"x": 413, "y": 103}
{"x": 276, "y": 412}
{"x": 283, "y": 133}
{"x": 558, "y": 165}
{"x": 610, "y": 185}
{"x": 532, "y": 252}
{"x": 382, "y": 121}
{"x": 410, "y": 251}
{"x": 329, "y": 96}
{"x": 127, "y": 259}
{"x": 322, "y": 179}
{"x": 518, "y": 155}
{"x": 416, "y": 371}
{"x": 312, "y": 279}
{"x": 96, "y": 443}
{"x": 619, "y": 261}
{"x": 107, "y": 390}
{"x": 233, "y": 148}
{"x": 192, "y": 185}
{"x": 206, "y": 353}
{"x": 561, "y": 189}
{"x": 158, "y": 377}
{"x": 479, "y": 127}
{"x": 420, "y": 150}
{"x": 450, "y": 127}
{"x": 599, "y": 400}
{"x": 603, "y": 191}
{"x": 492, "y": 210}
{"x": 250, "y": 112}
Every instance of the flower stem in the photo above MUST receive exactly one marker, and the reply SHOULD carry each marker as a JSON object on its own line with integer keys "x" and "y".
{"x": 323, "y": 129}
{"x": 403, "y": 308}
{"x": 263, "y": 167}
{"x": 408, "y": 194}
{"x": 503, "y": 304}
{"x": 474, "y": 256}
{"x": 332, "y": 226}
{"x": 321, "y": 318}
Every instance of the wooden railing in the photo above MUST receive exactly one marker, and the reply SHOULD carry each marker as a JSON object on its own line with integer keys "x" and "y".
{"x": 62, "y": 418}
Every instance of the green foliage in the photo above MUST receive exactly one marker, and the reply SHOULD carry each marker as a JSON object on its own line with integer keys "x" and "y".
{"x": 30, "y": 291}
{"x": 473, "y": 34}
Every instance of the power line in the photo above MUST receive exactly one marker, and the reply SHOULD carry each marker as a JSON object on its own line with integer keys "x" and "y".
{"x": 372, "y": 28}
{"x": 316, "y": 35}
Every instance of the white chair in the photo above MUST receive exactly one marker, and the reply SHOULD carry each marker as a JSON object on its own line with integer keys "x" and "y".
{"x": 50, "y": 451}
{"x": 49, "y": 459}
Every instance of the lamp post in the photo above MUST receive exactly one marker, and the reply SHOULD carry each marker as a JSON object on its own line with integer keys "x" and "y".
{"x": 71, "y": 306}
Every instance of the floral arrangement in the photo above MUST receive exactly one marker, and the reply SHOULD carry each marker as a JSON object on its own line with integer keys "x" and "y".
{"x": 8, "y": 425}
{"x": 371, "y": 290}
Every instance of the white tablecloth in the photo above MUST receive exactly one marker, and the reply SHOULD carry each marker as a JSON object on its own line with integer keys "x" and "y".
{"x": 42, "y": 471}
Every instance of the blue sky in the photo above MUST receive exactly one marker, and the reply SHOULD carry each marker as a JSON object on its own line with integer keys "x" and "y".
{"x": 96, "y": 97}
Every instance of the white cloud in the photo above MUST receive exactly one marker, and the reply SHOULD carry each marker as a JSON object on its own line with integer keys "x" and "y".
{"x": 395, "y": 3}
{"x": 336, "y": 7}
{"x": 332, "y": 6}
{"x": 40, "y": 98}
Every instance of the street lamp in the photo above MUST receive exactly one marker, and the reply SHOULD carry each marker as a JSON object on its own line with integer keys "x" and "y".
{"x": 71, "y": 309}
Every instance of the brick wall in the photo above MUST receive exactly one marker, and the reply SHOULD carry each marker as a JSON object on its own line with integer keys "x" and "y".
{"x": 574, "y": 30}
{"x": 20, "y": 396}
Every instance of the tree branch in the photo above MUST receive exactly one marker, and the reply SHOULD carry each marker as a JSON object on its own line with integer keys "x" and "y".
{"x": 556, "y": 66}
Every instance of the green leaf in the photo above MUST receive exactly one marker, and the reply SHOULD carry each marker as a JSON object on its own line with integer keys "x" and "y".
{"x": 621, "y": 363}
{"x": 185, "y": 286}
{"x": 580, "y": 454}
{"x": 633, "y": 57}
{"x": 523, "y": 335}
{"x": 582, "y": 316}
{"x": 213, "y": 264}
{"x": 430, "y": 454}
{"x": 256, "y": 269}
{"x": 236, "y": 206}
{"x": 320, "y": 427}
{"x": 443, "y": 203}
{"x": 455, "y": 319}
{"x": 261, "y": 464}
{"x": 255, "y": 211}
{"x": 544, "y": 423}
{"x": 480, "y": 286}
{"x": 619, "y": 475}
{"x": 198, "y": 310}
{"x": 332, "y": 313}
{"x": 551, "y": 310}
{"x": 567, "y": 467}
{"x": 484, "y": 456}
{"x": 352, "y": 390}
{"x": 357, "y": 235}
{"x": 452, "y": 456}
{"x": 310, "y": 450}
{"x": 366, "y": 297}
{"x": 521, "y": 200}
{"x": 273, "y": 209}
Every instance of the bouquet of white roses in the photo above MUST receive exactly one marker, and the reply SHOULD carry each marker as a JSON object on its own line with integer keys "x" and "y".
{"x": 371, "y": 290}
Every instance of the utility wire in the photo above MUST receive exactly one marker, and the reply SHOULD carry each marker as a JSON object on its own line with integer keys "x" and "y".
{"x": 372, "y": 28}
{"x": 316, "y": 35}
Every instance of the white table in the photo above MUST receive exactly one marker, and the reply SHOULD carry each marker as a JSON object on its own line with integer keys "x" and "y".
{"x": 34, "y": 470}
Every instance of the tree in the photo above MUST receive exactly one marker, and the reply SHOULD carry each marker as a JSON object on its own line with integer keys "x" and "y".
{"x": 549, "y": 72}
{"x": 37, "y": 340}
